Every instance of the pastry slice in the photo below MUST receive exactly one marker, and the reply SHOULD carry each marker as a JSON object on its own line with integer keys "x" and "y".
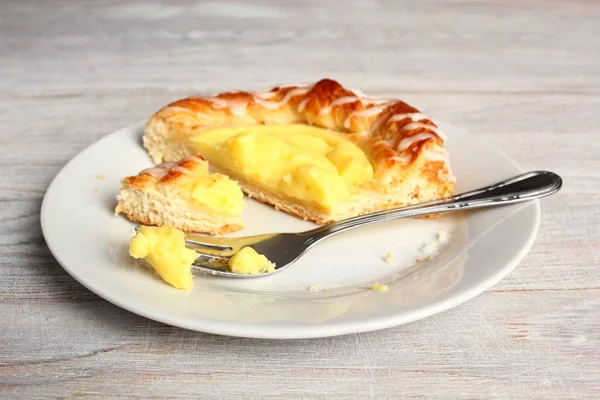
{"x": 183, "y": 195}
{"x": 320, "y": 152}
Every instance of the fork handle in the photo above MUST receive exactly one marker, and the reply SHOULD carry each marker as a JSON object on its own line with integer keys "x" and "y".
{"x": 528, "y": 186}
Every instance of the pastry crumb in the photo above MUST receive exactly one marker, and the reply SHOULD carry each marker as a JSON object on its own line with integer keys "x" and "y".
{"x": 378, "y": 287}
{"x": 317, "y": 288}
{"x": 443, "y": 236}
{"x": 429, "y": 258}
{"x": 389, "y": 258}
{"x": 428, "y": 249}
{"x": 419, "y": 260}
{"x": 101, "y": 178}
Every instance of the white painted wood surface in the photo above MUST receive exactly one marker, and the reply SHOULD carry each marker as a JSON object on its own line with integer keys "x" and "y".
{"x": 525, "y": 76}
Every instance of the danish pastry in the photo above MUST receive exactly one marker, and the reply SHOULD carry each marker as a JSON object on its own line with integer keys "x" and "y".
{"x": 320, "y": 152}
{"x": 183, "y": 195}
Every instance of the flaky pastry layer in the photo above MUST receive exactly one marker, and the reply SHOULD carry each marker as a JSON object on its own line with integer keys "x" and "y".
{"x": 404, "y": 146}
{"x": 153, "y": 197}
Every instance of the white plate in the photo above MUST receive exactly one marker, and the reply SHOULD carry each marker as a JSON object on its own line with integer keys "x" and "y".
{"x": 484, "y": 246}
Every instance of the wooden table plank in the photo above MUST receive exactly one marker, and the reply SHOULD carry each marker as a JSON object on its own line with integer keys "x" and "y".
{"x": 117, "y": 351}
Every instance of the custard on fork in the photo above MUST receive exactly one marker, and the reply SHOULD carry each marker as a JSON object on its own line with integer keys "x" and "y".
{"x": 165, "y": 250}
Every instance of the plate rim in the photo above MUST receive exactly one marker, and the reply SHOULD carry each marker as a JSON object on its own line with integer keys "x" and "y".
{"x": 274, "y": 331}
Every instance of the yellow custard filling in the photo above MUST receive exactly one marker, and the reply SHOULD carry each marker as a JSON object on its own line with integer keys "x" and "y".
{"x": 214, "y": 191}
{"x": 302, "y": 161}
{"x": 378, "y": 287}
{"x": 164, "y": 249}
{"x": 248, "y": 261}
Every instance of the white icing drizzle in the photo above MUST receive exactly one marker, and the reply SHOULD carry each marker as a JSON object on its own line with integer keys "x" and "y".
{"x": 264, "y": 95}
{"x": 288, "y": 85}
{"x": 385, "y": 142}
{"x": 203, "y": 116}
{"x": 403, "y": 159}
{"x": 350, "y": 99}
{"x": 160, "y": 170}
{"x": 407, "y": 142}
{"x": 358, "y": 92}
{"x": 195, "y": 159}
{"x": 435, "y": 156}
{"x": 181, "y": 169}
{"x": 338, "y": 102}
{"x": 273, "y": 105}
{"x": 413, "y": 117}
{"x": 369, "y": 100}
{"x": 369, "y": 112}
{"x": 436, "y": 130}
{"x": 216, "y": 102}
{"x": 378, "y": 122}
{"x": 237, "y": 108}
{"x": 303, "y": 103}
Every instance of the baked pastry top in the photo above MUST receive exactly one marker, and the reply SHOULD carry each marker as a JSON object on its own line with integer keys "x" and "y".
{"x": 183, "y": 195}
{"x": 321, "y": 152}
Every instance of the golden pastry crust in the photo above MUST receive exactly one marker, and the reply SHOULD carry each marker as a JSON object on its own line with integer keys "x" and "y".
{"x": 152, "y": 198}
{"x": 168, "y": 173}
{"x": 404, "y": 146}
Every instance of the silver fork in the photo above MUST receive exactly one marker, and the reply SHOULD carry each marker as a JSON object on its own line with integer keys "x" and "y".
{"x": 283, "y": 249}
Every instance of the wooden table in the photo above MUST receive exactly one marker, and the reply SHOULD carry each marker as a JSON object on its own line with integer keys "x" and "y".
{"x": 525, "y": 77}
